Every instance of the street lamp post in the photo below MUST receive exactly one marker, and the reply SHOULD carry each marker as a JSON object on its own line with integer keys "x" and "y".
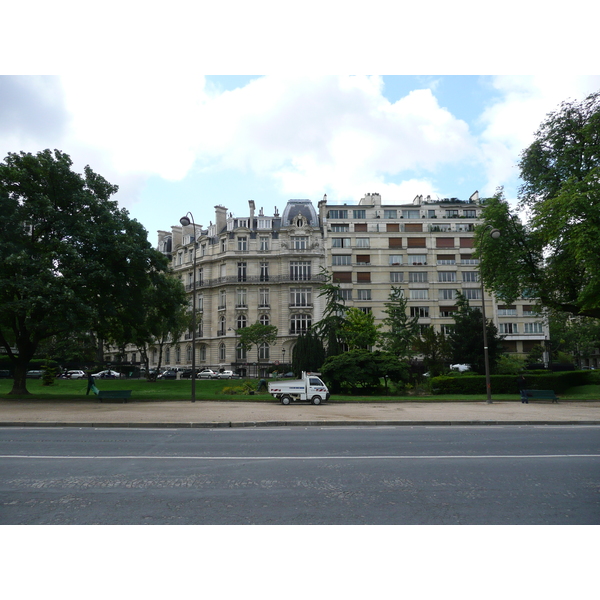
{"x": 494, "y": 234}
{"x": 185, "y": 221}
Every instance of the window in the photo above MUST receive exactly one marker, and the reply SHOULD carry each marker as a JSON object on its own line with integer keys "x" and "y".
{"x": 338, "y": 260}
{"x": 263, "y": 351}
{"x": 203, "y": 352}
{"x": 508, "y": 328}
{"x": 363, "y": 294}
{"x": 242, "y": 243}
{"x": 300, "y": 297}
{"x": 392, "y": 227}
{"x": 416, "y": 242}
{"x": 396, "y": 277}
{"x": 342, "y": 276}
{"x": 363, "y": 259}
{"x": 395, "y": 259}
{"x": 300, "y": 323}
{"x": 447, "y": 277}
{"x": 447, "y": 294}
{"x": 362, "y": 242}
{"x": 299, "y": 270}
{"x": 264, "y": 223}
{"x": 365, "y": 309}
{"x": 363, "y": 277}
{"x": 446, "y": 259}
{"x": 344, "y": 294}
{"x": 472, "y": 276}
{"x": 222, "y": 270}
{"x": 443, "y": 242}
{"x": 395, "y": 242}
{"x": 221, "y": 330}
{"x": 264, "y": 271}
{"x": 264, "y": 320}
{"x": 340, "y": 242}
{"x": 168, "y": 355}
{"x": 359, "y": 213}
{"x": 417, "y": 277}
{"x": 470, "y": 214}
{"x": 390, "y": 214}
{"x": 411, "y": 214}
{"x": 222, "y": 299}
{"x": 241, "y": 269}
{"x": 222, "y": 352}
{"x": 242, "y": 321}
{"x": 417, "y": 259}
{"x": 472, "y": 294}
{"x": 533, "y": 328}
{"x": 466, "y": 242}
{"x": 300, "y": 242}
{"x": 337, "y": 214}
{"x": 340, "y": 228}
{"x": 447, "y": 311}
{"x": 447, "y": 329}
{"x": 419, "y": 311}
{"x": 507, "y": 311}
{"x": 419, "y": 294}
{"x": 200, "y": 276}
{"x": 360, "y": 227}
{"x": 452, "y": 214}
{"x": 264, "y": 242}
{"x": 241, "y": 300}
{"x": 263, "y": 297}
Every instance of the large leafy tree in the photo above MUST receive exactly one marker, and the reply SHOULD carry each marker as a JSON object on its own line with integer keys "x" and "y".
{"x": 402, "y": 331}
{"x": 554, "y": 256}
{"x": 466, "y": 337}
{"x": 70, "y": 259}
{"x": 359, "y": 329}
{"x": 256, "y": 335}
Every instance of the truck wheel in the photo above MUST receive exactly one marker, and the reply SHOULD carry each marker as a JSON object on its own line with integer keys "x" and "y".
{"x": 285, "y": 400}
{"x": 316, "y": 400}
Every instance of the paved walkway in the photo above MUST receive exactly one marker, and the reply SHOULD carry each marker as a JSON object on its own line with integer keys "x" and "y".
{"x": 248, "y": 414}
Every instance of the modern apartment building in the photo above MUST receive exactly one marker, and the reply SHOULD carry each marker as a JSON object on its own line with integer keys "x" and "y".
{"x": 267, "y": 269}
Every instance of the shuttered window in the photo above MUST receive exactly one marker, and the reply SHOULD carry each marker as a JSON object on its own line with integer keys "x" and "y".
{"x": 413, "y": 227}
{"x": 416, "y": 242}
{"x": 342, "y": 277}
{"x": 444, "y": 242}
{"x": 392, "y": 227}
{"x": 363, "y": 277}
{"x": 395, "y": 242}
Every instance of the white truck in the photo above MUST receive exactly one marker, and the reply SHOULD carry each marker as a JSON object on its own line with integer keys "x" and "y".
{"x": 310, "y": 387}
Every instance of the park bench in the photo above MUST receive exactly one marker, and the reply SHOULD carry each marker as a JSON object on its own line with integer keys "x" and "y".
{"x": 538, "y": 395}
{"x": 122, "y": 395}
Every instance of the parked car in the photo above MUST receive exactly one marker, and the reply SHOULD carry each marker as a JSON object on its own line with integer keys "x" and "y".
{"x": 75, "y": 375}
{"x": 187, "y": 374}
{"x": 170, "y": 374}
{"x": 207, "y": 374}
{"x": 4, "y": 374}
{"x": 35, "y": 374}
{"x": 460, "y": 368}
{"x": 227, "y": 375}
{"x": 107, "y": 374}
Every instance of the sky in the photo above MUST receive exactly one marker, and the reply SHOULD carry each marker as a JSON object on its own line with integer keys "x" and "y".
{"x": 175, "y": 143}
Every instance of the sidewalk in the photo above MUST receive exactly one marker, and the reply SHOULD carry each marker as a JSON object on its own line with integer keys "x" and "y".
{"x": 22, "y": 413}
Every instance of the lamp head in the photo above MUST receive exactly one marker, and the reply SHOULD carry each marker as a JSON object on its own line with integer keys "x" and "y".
{"x": 495, "y": 234}
{"x": 185, "y": 221}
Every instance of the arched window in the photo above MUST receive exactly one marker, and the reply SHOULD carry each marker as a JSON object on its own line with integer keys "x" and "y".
{"x": 203, "y": 352}
{"x": 221, "y": 330}
{"x": 188, "y": 354}
{"x": 263, "y": 351}
{"x": 242, "y": 321}
{"x": 240, "y": 352}
{"x": 264, "y": 319}
{"x": 222, "y": 352}
{"x": 177, "y": 355}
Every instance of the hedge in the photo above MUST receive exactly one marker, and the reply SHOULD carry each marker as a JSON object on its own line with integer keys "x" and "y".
{"x": 507, "y": 384}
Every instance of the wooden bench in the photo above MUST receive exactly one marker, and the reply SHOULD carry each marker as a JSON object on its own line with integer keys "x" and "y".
{"x": 538, "y": 395}
{"x": 122, "y": 395}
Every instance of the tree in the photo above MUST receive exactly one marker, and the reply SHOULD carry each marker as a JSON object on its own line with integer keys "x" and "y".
{"x": 309, "y": 353}
{"x": 402, "y": 330}
{"x": 576, "y": 337}
{"x": 331, "y": 325}
{"x": 466, "y": 337}
{"x": 361, "y": 369}
{"x": 435, "y": 348}
{"x": 70, "y": 259}
{"x": 359, "y": 329}
{"x": 256, "y": 335}
{"x": 554, "y": 256}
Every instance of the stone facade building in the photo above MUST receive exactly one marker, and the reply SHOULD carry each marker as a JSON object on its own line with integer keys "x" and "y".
{"x": 268, "y": 269}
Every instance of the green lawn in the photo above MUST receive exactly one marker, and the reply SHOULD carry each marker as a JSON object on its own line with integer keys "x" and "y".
{"x": 213, "y": 390}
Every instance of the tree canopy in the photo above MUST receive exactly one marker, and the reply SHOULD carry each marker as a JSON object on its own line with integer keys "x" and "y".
{"x": 70, "y": 259}
{"x": 554, "y": 256}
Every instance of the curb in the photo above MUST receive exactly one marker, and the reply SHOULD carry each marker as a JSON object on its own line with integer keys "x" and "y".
{"x": 250, "y": 424}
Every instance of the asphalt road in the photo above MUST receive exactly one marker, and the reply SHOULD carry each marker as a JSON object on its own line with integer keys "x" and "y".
{"x": 313, "y": 475}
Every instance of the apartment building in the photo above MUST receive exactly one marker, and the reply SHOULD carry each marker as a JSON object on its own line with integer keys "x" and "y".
{"x": 267, "y": 269}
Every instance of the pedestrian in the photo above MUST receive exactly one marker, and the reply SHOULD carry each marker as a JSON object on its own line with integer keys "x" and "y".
{"x": 262, "y": 386}
{"x": 91, "y": 382}
{"x": 522, "y": 389}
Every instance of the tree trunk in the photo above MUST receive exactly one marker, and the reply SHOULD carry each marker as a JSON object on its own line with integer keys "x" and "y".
{"x": 19, "y": 377}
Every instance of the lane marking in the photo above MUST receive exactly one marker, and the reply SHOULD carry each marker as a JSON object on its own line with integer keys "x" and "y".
{"x": 329, "y": 457}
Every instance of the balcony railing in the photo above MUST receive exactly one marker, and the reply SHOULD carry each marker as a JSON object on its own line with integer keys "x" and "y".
{"x": 230, "y": 279}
